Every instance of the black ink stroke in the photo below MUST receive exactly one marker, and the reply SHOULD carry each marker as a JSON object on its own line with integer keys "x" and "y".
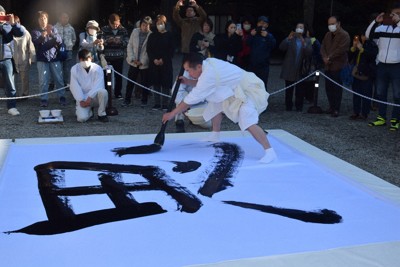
{"x": 61, "y": 217}
{"x": 184, "y": 167}
{"x": 323, "y": 216}
{"x": 144, "y": 149}
{"x": 228, "y": 158}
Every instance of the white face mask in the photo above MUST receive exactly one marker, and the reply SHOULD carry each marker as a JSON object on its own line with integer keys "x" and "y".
{"x": 85, "y": 64}
{"x": 299, "y": 30}
{"x": 92, "y": 31}
{"x": 246, "y": 27}
{"x": 161, "y": 27}
{"x": 332, "y": 28}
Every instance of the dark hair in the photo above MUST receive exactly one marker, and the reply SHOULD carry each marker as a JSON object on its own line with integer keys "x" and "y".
{"x": 113, "y": 17}
{"x": 229, "y": 22}
{"x": 248, "y": 18}
{"x": 193, "y": 59}
{"x": 84, "y": 54}
{"x": 209, "y": 22}
{"x": 305, "y": 28}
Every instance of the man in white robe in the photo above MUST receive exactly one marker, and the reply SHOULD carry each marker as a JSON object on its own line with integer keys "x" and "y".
{"x": 87, "y": 87}
{"x": 240, "y": 95}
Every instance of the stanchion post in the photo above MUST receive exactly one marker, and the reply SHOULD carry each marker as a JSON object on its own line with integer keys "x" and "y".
{"x": 315, "y": 109}
{"x": 110, "y": 110}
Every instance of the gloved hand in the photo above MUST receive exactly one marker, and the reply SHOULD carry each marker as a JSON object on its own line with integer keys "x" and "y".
{"x": 212, "y": 137}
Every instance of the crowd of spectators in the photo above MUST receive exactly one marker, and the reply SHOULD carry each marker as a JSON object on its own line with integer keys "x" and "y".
{"x": 370, "y": 57}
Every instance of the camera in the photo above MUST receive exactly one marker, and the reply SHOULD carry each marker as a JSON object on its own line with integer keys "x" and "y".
{"x": 99, "y": 36}
{"x": 5, "y": 18}
{"x": 259, "y": 29}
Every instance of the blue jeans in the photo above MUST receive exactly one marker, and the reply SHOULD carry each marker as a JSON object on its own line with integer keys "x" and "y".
{"x": 7, "y": 72}
{"x": 386, "y": 74}
{"x": 67, "y": 65}
{"x": 44, "y": 71}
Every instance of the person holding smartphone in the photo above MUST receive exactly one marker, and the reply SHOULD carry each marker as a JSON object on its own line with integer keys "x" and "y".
{"x": 91, "y": 40}
{"x": 203, "y": 41}
{"x": 190, "y": 23}
{"x": 9, "y": 30}
{"x": 228, "y": 44}
{"x": 261, "y": 43}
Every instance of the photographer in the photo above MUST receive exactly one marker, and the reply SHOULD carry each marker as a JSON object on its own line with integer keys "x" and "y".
{"x": 261, "y": 43}
{"x": 9, "y": 29}
{"x": 47, "y": 40}
{"x": 191, "y": 23}
{"x": 91, "y": 40}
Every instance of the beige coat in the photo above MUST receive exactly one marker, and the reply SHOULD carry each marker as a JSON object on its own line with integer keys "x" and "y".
{"x": 133, "y": 50}
{"x": 24, "y": 50}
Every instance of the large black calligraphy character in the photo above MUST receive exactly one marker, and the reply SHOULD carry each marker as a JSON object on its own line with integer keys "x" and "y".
{"x": 61, "y": 217}
{"x": 219, "y": 176}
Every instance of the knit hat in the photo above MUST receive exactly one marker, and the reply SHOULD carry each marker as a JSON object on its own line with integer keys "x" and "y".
{"x": 2, "y": 9}
{"x": 93, "y": 24}
{"x": 263, "y": 18}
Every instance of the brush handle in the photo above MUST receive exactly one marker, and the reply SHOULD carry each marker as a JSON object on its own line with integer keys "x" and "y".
{"x": 160, "y": 137}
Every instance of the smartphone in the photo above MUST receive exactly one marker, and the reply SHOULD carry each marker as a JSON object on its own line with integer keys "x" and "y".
{"x": 238, "y": 26}
{"x": 5, "y": 18}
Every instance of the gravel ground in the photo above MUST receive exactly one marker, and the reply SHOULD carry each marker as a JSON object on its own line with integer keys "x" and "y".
{"x": 376, "y": 150}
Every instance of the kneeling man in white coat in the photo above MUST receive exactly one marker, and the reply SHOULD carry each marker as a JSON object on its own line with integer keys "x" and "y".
{"x": 87, "y": 87}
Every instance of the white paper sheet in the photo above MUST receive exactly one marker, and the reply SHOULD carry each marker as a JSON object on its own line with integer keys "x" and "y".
{"x": 218, "y": 231}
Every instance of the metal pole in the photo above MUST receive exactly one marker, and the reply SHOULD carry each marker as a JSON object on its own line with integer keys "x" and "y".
{"x": 315, "y": 109}
{"x": 110, "y": 110}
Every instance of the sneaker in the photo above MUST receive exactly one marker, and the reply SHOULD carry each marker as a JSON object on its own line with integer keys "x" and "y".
{"x": 103, "y": 118}
{"x": 156, "y": 107}
{"x": 394, "y": 124}
{"x": 126, "y": 103}
{"x": 63, "y": 101}
{"x": 44, "y": 103}
{"x": 380, "y": 121}
{"x": 118, "y": 97}
{"x": 164, "y": 107}
{"x": 13, "y": 112}
{"x": 180, "y": 126}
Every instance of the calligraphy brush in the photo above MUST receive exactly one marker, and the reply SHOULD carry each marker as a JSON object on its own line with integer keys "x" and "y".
{"x": 160, "y": 137}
